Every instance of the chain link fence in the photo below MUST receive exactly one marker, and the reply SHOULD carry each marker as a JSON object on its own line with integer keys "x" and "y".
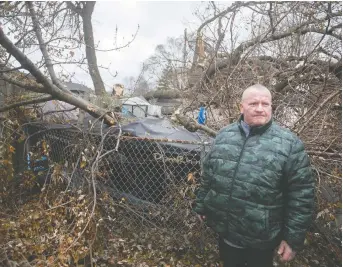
{"x": 153, "y": 181}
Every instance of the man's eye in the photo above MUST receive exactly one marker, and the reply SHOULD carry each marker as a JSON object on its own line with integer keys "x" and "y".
{"x": 253, "y": 104}
{"x": 265, "y": 104}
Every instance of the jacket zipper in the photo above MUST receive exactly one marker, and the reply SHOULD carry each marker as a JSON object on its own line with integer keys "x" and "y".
{"x": 239, "y": 161}
{"x": 234, "y": 177}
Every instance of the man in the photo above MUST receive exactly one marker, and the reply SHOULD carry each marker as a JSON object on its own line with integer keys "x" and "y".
{"x": 257, "y": 189}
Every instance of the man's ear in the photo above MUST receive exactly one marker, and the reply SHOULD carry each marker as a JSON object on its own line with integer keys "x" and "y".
{"x": 241, "y": 108}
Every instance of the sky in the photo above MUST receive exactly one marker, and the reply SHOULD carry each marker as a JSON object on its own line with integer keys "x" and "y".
{"x": 156, "y": 20}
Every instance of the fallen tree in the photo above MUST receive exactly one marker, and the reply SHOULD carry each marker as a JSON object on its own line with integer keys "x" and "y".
{"x": 54, "y": 30}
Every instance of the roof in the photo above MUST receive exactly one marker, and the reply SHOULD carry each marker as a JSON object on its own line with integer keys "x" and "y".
{"x": 135, "y": 101}
{"x": 77, "y": 87}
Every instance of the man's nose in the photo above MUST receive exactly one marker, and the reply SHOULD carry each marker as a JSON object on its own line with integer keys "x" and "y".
{"x": 259, "y": 108}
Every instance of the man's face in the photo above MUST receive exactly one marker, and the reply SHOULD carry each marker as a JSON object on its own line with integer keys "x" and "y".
{"x": 257, "y": 107}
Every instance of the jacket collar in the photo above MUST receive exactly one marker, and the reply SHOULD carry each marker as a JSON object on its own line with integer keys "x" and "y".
{"x": 255, "y": 129}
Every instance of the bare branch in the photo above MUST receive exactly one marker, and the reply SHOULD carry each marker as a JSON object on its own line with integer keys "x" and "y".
{"x": 271, "y": 18}
{"x": 28, "y": 102}
{"x": 221, "y": 14}
{"x": 264, "y": 39}
{"x": 120, "y": 47}
{"x": 10, "y": 70}
{"x": 31, "y": 86}
{"x": 59, "y": 111}
{"x": 42, "y": 47}
{"x": 314, "y": 114}
{"x": 49, "y": 87}
{"x": 75, "y": 9}
{"x": 325, "y": 154}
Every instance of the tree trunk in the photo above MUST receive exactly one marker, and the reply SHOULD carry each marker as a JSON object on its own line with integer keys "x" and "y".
{"x": 90, "y": 48}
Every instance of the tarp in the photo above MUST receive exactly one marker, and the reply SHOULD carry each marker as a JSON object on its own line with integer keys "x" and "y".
{"x": 153, "y": 128}
{"x": 162, "y": 128}
{"x": 157, "y": 128}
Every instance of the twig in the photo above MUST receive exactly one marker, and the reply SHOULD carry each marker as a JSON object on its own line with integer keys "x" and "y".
{"x": 320, "y": 153}
{"x": 57, "y": 111}
{"x": 63, "y": 204}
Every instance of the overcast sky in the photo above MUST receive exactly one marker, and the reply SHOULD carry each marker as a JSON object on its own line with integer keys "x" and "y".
{"x": 157, "y": 21}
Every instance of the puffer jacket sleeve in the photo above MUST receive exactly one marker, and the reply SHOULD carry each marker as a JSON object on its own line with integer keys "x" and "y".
{"x": 206, "y": 177}
{"x": 299, "y": 196}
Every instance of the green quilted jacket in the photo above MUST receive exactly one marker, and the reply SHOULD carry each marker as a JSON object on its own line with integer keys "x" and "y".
{"x": 257, "y": 190}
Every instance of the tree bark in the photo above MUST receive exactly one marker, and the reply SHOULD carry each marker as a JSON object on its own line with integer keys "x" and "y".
{"x": 94, "y": 72}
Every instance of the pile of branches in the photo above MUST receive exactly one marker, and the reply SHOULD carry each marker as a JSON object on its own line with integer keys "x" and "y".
{"x": 67, "y": 215}
{"x": 294, "y": 49}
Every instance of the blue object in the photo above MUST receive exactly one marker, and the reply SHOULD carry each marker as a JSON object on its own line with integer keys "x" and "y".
{"x": 41, "y": 164}
{"x": 202, "y": 116}
{"x": 28, "y": 158}
{"x": 37, "y": 165}
{"x": 124, "y": 111}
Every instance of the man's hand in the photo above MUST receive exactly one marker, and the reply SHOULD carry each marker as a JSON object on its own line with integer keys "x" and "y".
{"x": 201, "y": 217}
{"x": 285, "y": 252}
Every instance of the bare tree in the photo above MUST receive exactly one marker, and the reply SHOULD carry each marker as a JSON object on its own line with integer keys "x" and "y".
{"x": 172, "y": 57}
{"x": 20, "y": 20}
{"x": 62, "y": 31}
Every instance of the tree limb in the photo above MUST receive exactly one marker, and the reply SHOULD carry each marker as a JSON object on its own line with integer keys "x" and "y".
{"x": 270, "y": 17}
{"x": 221, "y": 35}
{"x": 24, "y": 61}
{"x": 86, "y": 14}
{"x": 192, "y": 125}
{"x": 58, "y": 111}
{"x": 10, "y": 70}
{"x": 49, "y": 87}
{"x": 229, "y": 9}
{"x": 235, "y": 55}
{"x": 73, "y": 7}
{"x": 42, "y": 47}
{"x": 28, "y": 102}
{"x": 38, "y": 88}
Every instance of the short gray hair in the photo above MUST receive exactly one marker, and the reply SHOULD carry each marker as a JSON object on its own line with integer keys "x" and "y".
{"x": 255, "y": 87}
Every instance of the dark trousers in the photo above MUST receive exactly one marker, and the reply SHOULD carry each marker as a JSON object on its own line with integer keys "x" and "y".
{"x": 245, "y": 257}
